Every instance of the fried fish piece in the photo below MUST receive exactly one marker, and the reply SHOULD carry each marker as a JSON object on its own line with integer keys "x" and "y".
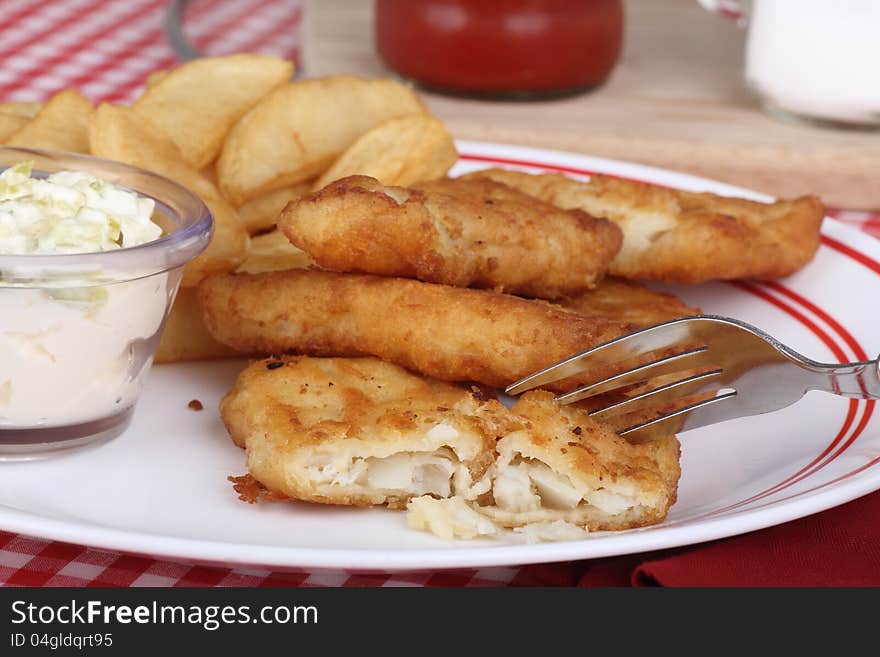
{"x": 635, "y": 305}
{"x": 464, "y": 233}
{"x": 360, "y": 431}
{"x": 684, "y": 237}
{"x": 364, "y": 432}
{"x": 559, "y": 472}
{"x": 449, "y": 333}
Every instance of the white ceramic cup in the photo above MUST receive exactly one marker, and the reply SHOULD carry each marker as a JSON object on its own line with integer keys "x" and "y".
{"x": 817, "y": 60}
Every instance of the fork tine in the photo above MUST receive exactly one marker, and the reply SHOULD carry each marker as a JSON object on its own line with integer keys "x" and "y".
{"x": 692, "y": 358}
{"x": 661, "y": 336}
{"x": 669, "y": 392}
{"x": 693, "y": 416}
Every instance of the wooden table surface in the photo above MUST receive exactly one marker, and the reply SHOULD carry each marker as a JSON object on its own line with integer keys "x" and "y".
{"x": 677, "y": 99}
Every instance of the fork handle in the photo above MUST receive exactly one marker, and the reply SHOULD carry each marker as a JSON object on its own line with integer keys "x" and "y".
{"x": 858, "y": 380}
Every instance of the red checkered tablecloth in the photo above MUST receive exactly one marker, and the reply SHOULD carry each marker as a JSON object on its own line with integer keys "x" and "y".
{"x": 106, "y": 48}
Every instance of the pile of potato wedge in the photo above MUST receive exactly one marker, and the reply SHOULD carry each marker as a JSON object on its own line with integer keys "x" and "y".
{"x": 245, "y": 137}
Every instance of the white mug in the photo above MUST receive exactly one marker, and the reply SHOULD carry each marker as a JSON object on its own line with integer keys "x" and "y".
{"x": 812, "y": 59}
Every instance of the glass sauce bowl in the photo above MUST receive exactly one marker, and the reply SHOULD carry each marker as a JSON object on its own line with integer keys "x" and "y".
{"x": 78, "y": 331}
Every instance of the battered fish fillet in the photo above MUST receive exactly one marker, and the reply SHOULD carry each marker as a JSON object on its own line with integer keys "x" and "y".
{"x": 360, "y": 431}
{"x": 475, "y": 233}
{"x": 684, "y": 237}
{"x": 449, "y": 333}
{"x": 630, "y": 303}
{"x": 364, "y": 432}
{"x": 561, "y": 471}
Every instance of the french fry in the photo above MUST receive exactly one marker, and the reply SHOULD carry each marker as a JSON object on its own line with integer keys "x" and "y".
{"x": 185, "y": 336}
{"x": 401, "y": 151}
{"x": 10, "y": 124}
{"x": 197, "y": 103}
{"x": 300, "y": 128}
{"x": 260, "y": 213}
{"x": 273, "y": 252}
{"x": 25, "y": 108}
{"x": 117, "y": 134}
{"x": 62, "y": 124}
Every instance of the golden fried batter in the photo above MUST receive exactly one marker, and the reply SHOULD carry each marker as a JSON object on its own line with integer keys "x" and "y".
{"x": 362, "y": 432}
{"x": 453, "y": 334}
{"x": 684, "y": 237}
{"x": 630, "y": 303}
{"x": 562, "y": 465}
{"x": 358, "y": 431}
{"x": 474, "y": 233}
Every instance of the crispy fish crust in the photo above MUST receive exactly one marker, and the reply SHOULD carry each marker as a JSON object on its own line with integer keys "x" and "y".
{"x": 685, "y": 237}
{"x": 362, "y": 432}
{"x": 475, "y": 233}
{"x": 624, "y": 485}
{"x": 449, "y": 333}
{"x": 349, "y": 431}
{"x": 630, "y": 303}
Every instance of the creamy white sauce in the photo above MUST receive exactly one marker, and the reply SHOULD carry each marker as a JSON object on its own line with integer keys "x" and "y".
{"x": 65, "y": 362}
{"x": 72, "y": 351}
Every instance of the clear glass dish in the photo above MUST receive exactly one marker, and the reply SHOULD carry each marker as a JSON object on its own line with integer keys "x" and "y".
{"x": 78, "y": 331}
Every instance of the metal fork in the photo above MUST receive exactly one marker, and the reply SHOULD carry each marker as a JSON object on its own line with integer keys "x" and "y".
{"x": 749, "y": 372}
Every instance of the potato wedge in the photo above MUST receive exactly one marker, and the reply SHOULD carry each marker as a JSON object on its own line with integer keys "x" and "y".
{"x": 117, "y": 134}
{"x": 274, "y": 252}
{"x": 300, "y": 128}
{"x": 25, "y": 108}
{"x": 185, "y": 336}
{"x": 401, "y": 151}
{"x": 260, "y": 213}
{"x": 10, "y": 124}
{"x": 154, "y": 77}
{"x": 62, "y": 124}
{"x": 197, "y": 103}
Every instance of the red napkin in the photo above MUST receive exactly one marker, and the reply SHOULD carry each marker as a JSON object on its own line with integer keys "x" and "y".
{"x": 839, "y": 547}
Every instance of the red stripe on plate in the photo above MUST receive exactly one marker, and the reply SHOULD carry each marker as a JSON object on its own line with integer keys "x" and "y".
{"x": 814, "y": 328}
{"x": 838, "y": 352}
{"x": 858, "y": 256}
{"x": 524, "y": 163}
{"x": 865, "y": 418}
{"x": 857, "y": 348}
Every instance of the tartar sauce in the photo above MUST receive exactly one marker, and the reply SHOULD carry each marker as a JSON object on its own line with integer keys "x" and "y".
{"x": 74, "y": 348}
{"x": 70, "y": 212}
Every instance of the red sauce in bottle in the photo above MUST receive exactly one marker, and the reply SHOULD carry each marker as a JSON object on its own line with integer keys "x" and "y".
{"x": 502, "y": 47}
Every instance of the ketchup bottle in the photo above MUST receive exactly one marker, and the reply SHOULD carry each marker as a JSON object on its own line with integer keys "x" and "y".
{"x": 501, "y": 48}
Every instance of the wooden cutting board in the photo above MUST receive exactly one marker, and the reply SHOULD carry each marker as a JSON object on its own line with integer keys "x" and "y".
{"x": 677, "y": 100}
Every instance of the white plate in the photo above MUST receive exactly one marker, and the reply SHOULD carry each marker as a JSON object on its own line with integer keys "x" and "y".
{"x": 161, "y": 489}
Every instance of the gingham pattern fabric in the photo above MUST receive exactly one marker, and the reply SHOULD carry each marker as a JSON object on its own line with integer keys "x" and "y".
{"x": 106, "y": 48}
